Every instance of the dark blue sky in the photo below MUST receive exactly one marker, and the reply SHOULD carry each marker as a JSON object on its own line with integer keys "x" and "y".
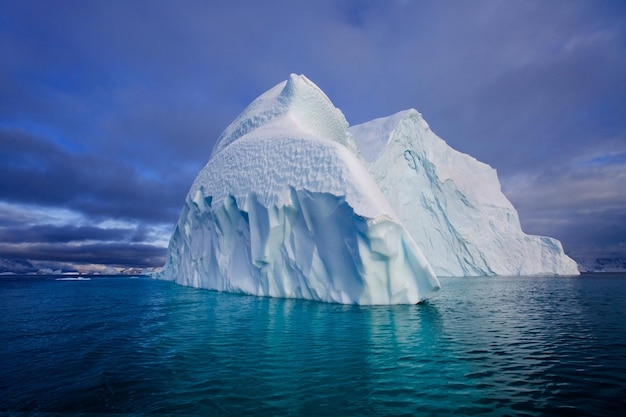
{"x": 108, "y": 109}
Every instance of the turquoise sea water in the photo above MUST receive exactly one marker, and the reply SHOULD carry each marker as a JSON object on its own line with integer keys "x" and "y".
{"x": 485, "y": 346}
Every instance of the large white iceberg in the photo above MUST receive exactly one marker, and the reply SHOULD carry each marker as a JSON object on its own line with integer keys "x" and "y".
{"x": 452, "y": 204}
{"x": 294, "y": 203}
{"x": 285, "y": 208}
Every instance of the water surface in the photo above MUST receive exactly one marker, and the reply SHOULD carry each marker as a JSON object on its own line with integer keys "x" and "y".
{"x": 485, "y": 346}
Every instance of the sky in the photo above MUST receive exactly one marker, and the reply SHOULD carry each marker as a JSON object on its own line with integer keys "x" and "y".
{"x": 109, "y": 109}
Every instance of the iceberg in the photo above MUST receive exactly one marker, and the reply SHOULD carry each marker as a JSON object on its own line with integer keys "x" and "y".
{"x": 285, "y": 208}
{"x": 452, "y": 204}
{"x": 295, "y": 203}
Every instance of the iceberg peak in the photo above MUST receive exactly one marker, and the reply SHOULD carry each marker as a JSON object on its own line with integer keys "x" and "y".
{"x": 306, "y": 108}
{"x": 373, "y": 136}
{"x": 314, "y": 113}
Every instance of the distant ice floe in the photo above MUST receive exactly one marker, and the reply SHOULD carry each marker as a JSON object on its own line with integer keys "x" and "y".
{"x": 73, "y": 279}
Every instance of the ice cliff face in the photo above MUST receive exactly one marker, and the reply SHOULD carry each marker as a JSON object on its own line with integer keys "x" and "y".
{"x": 452, "y": 204}
{"x": 284, "y": 208}
{"x": 291, "y": 205}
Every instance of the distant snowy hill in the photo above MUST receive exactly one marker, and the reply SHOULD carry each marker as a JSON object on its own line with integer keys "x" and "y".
{"x": 294, "y": 203}
{"x": 28, "y": 267}
{"x": 595, "y": 261}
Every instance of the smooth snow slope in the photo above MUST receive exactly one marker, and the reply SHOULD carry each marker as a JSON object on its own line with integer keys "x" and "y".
{"x": 285, "y": 208}
{"x": 452, "y": 204}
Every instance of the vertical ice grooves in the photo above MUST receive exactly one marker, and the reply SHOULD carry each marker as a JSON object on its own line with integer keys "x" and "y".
{"x": 314, "y": 248}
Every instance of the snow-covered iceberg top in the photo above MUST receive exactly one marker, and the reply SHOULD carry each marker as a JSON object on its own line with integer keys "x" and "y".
{"x": 295, "y": 203}
{"x": 290, "y": 137}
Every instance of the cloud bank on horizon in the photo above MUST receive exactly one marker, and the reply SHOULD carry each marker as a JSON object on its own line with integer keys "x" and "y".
{"x": 108, "y": 110}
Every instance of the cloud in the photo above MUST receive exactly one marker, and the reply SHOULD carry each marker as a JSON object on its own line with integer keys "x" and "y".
{"x": 580, "y": 201}
{"x": 37, "y": 233}
{"x": 38, "y": 171}
{"x": 554, "y": 107}
{"x": 118, "y": 254}
{"x": 64, "y": 234}
{"x": 60, "y": 205}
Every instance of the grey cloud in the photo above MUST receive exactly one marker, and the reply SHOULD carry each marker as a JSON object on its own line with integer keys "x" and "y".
{"x": 65, "y": 234}
{"x": 551, "y": 110}
{"x": 119, "y": 254}
{"x": 580, "y": 202}
{"x": 38, "y": 172}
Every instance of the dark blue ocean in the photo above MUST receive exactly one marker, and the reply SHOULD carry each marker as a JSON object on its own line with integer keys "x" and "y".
{"x": 485, "y": 346}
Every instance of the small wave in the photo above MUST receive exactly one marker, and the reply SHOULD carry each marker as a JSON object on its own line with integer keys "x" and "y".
{"x": 73, "y": 279}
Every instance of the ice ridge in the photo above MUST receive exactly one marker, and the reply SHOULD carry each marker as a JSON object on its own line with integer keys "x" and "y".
{"x": 452, "y": 204}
